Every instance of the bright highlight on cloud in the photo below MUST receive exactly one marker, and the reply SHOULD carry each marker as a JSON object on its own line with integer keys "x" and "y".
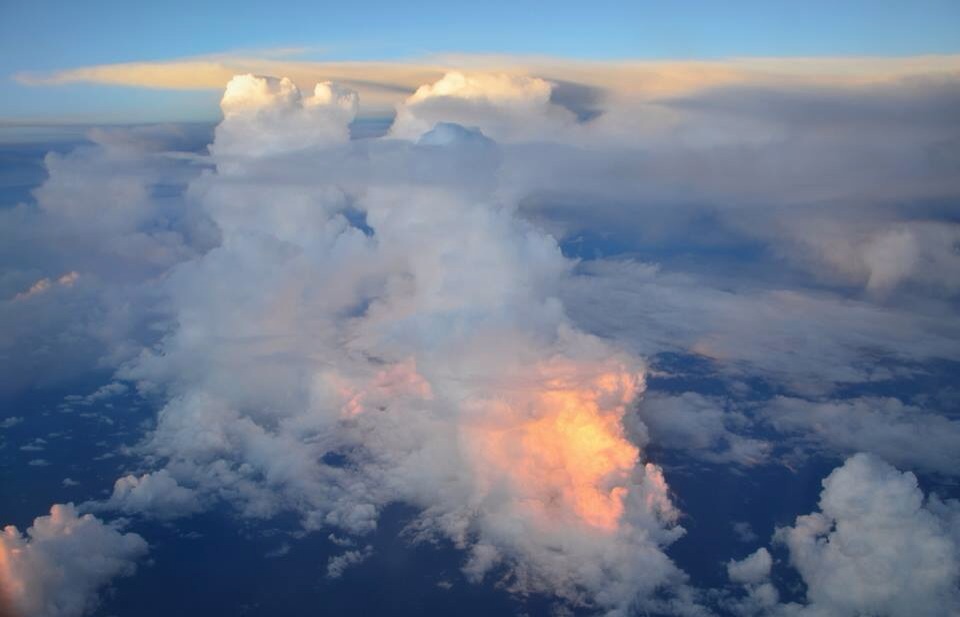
{"x": 505, "y": 107}
{"x": 265, "y": 115}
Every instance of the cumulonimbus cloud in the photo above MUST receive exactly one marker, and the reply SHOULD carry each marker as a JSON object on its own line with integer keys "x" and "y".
{"x": 331, "y": 368}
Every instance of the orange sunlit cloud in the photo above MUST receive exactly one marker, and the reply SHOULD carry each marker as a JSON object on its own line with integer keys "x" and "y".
{"x": 560, "y": 447}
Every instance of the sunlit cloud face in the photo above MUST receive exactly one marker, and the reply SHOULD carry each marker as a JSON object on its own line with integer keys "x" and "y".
{"x": 558, "y": 441}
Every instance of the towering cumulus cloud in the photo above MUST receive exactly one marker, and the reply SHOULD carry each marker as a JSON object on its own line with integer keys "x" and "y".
{"x": 265, "y": 115}
{"x": 377, "y": 326}
{"x": 506, "y": 107}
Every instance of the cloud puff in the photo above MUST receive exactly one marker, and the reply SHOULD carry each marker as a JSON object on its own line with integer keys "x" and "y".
{"x": 753, "y": 573}
{"x": 266, "y": 115}
{"x": 340, "y": 563}
{"x": 874, "y": 548}
{"x": 751, "y": 569}
{"x": 505, "y": 107}
{"x": 153, "y": 495}
{"x": 57, "y": 568}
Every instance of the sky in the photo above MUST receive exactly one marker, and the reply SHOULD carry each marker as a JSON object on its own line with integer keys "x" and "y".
{"x": 642, "y": 310}
{"x": 43, "y": 37}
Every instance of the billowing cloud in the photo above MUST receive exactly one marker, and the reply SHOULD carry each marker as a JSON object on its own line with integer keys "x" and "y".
{"x": 751, "y": 569}
{"x": 266, "y": 115}
{"x": 505, "y": 107}
{"x": 876, "y": 547}
{"x": 330, "y": 368}
{"x": 58, "y": 567}
{"x": 153, "y": 495}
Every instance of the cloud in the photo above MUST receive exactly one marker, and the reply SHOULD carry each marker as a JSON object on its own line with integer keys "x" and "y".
{"x": 875, "y": 548}
{"x": 383, "y": 84}
{"x": 702, "y": 427}
{"x": 266, "y": 115}
{"x": 340, "y": 563}
{"x": 752, "y": 569}
{"x": 811, "y": 340}
{"x": 906, "y": 435}
{"x": 44, "y": 284}
{"x": 152, "y": 495}
{"x": 329, "y": 367}
{"x": 505, "y": 107}
{"x": 744, "y": 532}
{"x": 57, "y": 568}
{"x": 80, "y": 256}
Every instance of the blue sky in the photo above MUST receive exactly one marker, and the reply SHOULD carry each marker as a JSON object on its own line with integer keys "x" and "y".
{"x": 45, "y": 36}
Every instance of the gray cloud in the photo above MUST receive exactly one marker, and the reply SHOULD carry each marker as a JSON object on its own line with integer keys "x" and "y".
{"x": 906, "y": 435}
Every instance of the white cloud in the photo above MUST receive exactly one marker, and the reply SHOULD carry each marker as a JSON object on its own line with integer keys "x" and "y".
{"x": 266, "y": 115}
{"x": 752, "y": 569}
{"x": 153, "y": 495}
{"x": 337, "y": 565}
{"x": 58, "y": 567}
{"x": 503, "y": 106}
{"x": 429, "y": 361}
{"x": 874, "y": 548}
